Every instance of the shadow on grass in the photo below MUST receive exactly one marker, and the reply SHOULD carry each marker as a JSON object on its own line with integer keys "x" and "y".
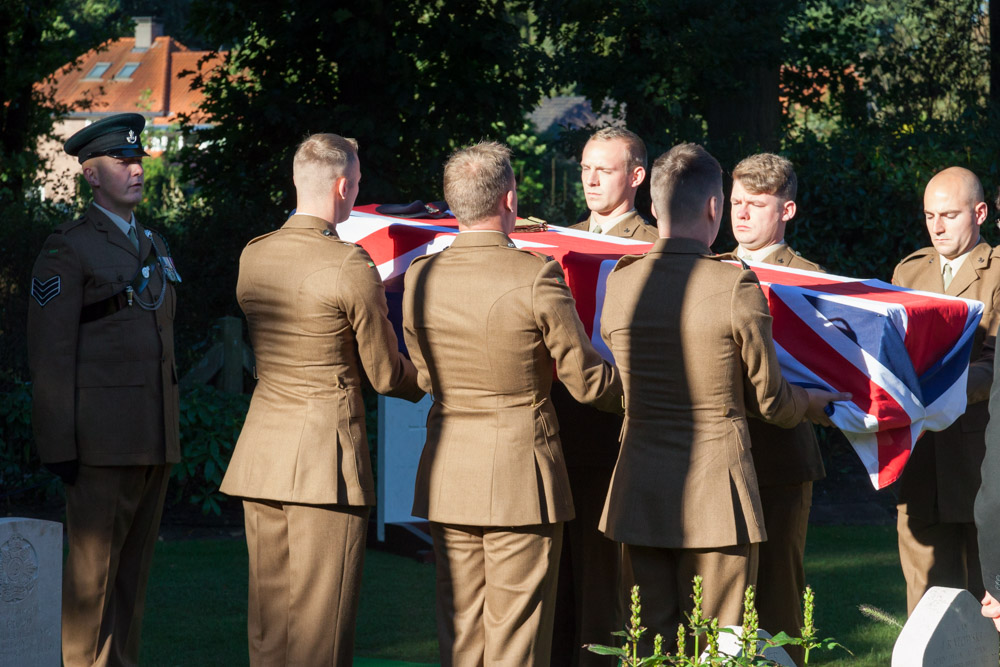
{"x": 848, "y": 566}
{"x": 196, "y": 605}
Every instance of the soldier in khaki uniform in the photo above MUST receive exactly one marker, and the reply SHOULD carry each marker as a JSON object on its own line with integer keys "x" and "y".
{"x": 787, "y": 461}
{"x": 484, "y": 323}
{"x": 692, "y": 339}
{"x": 317, "y": 315}
{"x": 589, "y": 598}
{"x": 105, "y": 415}
{"x": 937, "y": 490}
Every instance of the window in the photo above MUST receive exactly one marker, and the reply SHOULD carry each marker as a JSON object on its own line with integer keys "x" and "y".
{"x": 127, "y": 71}
{"x": 97, "y": 72}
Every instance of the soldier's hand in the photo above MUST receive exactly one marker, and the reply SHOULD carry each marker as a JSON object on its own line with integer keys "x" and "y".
{"x": 821, "y": 405}
{"x": 991, "y": 609}
{"x": 65, "y": 470}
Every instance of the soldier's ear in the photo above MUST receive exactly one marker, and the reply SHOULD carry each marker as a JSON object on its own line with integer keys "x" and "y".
{"x": 340, "y": 187}
{"x": 788, "y": 210}
{"x": 652, "y": 209}
{"x": 981, "y": 210}
{"x": 90, "y": 175}
{"x": 638, "y": 176}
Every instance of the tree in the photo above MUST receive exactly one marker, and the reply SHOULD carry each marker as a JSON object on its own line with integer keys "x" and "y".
{"x": 41, "y": 37}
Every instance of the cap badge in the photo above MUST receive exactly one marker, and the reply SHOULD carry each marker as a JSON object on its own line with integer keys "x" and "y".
{"x": 130, "y": 137}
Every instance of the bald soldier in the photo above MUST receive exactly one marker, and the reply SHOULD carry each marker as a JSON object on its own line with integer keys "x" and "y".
{"x": 612, "y": 168}
{"x": 691, "y": 336}
{"x": 937, "y": 490}
{"x": 104, "y": 385}
{"x": 317, "y": 314}
{"x": 787, "y": 461}
{"x": 485, "y": 322}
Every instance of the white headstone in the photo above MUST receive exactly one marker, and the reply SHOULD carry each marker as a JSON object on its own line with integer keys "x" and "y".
{"x": 946, "y": 629}
{"x": 729, "y": 644}
{"x": 30, "y": 592}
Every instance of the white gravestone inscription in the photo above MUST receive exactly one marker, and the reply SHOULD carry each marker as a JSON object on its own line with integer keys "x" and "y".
{"x": 947, "y": 630}
{"x": 30, "y": 592}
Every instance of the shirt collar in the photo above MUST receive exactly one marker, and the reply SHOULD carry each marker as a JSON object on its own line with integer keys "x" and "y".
{"x": 608, "y": 225}
{"x": 956, "y": 263}
{"x": 760, "y": 254}
{"x": 120, "y": 222}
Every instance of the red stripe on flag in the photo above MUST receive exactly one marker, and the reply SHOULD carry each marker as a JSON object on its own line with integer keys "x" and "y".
{"x": 934, "y": 324}
{"x": 822, "y": 359}
{"x": 894, "y": 448}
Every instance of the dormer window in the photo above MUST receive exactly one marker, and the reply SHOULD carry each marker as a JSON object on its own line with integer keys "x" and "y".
{"x": 97, "y": 72}
{"x": 126, "y": 72}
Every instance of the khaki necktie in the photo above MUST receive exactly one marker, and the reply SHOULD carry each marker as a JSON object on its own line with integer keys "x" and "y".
{"x": 946, "y": 272}
{"x": 133, "y": 237}
{"x": 597, "y": 229}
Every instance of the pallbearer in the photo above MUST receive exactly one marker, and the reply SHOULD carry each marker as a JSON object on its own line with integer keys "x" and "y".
{"x": 484, "y": 323}
{"x": 317, "y": 314}
{"x": 691, "y": 336}
{"x": 937, "y": 490}
{"x": 787, "y": 460}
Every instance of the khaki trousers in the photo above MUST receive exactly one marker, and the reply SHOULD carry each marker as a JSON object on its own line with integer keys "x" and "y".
{"x": 113, "y": 519}
{"x": 937, "y": 554}
{"x": 496, "y": 593}
{"x": 665, "y": 579}
{"x": 305, "y": 582}
{"x": 589, "y": 598}
{"x": 781, "y": 577}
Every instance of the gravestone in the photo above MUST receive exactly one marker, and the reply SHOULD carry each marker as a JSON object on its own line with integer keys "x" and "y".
{"x": 30, "y": 592}
{"x": 729, "y": 644}
{"x": 946, "y": 629}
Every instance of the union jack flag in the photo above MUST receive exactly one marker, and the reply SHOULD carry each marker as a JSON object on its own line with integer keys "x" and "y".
{"x": 902, "y": 354}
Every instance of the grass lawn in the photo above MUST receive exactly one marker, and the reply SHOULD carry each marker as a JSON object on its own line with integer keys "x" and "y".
{"x": 196, "y": 605}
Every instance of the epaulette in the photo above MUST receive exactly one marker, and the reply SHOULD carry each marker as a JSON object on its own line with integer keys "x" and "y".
{"x": 626, "y": 260}
{"x": 66, "y": 226}
{"x": 729, "y": 257}
{"x": 262, "y": 237}
{"x": 919, "y": 254}
{"x": 540, "y": 255}
{"x": 420, "y": 259}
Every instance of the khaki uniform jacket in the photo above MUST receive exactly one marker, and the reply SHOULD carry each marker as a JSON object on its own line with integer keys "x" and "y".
{"x": 484, "y": 322}
{"x": 593, "y": 436}
{"x": 940, "y": 480}
{"x": 692, "y": 339}
{"x": 632, "y": 227}
{"x": 317, "y": 314}
{"x": 781, "y": 455}
{"x": 104, "y": 392}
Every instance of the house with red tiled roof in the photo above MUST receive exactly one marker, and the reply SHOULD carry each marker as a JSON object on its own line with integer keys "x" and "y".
{"x": 139, "y": 74}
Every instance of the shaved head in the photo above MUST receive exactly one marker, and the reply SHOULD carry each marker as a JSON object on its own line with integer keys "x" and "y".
{"x": 954, "y": 210}
{"x": 961, "y": 181}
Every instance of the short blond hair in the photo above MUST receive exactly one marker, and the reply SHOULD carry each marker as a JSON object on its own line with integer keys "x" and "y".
{"x": 767, "y": 174}
{"x": 635, "y": 147}
{"x": 682, "y": 180}
{"x": 321, "y": 159}
{"x": 476, "y": 179}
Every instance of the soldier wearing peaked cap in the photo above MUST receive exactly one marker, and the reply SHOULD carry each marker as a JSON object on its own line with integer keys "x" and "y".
{"x": 105, "y": 404}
